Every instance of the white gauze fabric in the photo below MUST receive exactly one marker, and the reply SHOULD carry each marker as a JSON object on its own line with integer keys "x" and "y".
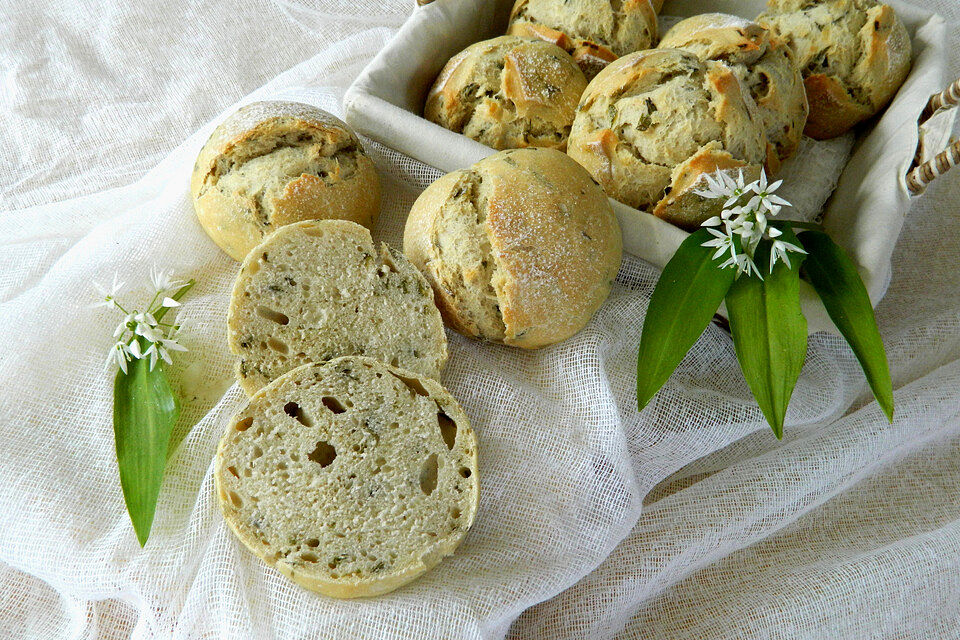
{"x": 685, "y": 520}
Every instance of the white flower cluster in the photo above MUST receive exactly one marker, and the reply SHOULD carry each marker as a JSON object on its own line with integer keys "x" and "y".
{"x": 746, "y": 223}
{"x": 137, "y": 325}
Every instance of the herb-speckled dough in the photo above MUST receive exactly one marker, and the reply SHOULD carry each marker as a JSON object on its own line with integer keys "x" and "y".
{"x": 594, "y": 32}
{"x": 508, "y": 93}
{"x": 320, "y": 289}
{"x": 854, "y": 55}
{"x": 651, "y": 123}
{"x": 273, "y": 163}
{"x": 521, "y": 248}
{"x": 764, "y": 64}
{"x": 352, "y": 478}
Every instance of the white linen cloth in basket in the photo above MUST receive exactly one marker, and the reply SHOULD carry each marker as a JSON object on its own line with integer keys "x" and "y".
{"x": 688, "y": 520}
{"x": 386, "y": 101}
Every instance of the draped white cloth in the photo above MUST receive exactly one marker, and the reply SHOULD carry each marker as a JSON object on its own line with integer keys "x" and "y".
{"x": 688, "y": 520}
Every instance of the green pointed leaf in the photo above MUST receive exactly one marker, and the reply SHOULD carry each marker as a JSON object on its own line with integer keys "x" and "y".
{"x": 144, "y": 412}
{"x": 770, "y": 332}
{"x": 837, "y": 282}
{"x": 686, "y": 297}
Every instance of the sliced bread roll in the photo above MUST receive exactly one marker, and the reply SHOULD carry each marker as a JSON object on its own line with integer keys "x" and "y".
{"x": 320, "y": 289}
{"x": 352, "y": 477}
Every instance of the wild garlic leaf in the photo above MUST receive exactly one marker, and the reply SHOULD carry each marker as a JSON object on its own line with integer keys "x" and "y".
{"x": 144, "y": 412}
{"x": 837, "y": 282}
{"x": 689, "y": 291}
{"x": 770, "y": 332}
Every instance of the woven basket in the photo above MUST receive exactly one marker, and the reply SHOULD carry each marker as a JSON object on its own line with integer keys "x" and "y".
{"x": 895, "y": 157}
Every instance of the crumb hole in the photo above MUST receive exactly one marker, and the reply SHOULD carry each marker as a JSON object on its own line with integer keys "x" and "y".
{"x": 233, "y": 470}
{"x": 313, "y": 543}
{"x": 428, "y": 475}
{"x": 244, "y": 424}
{"x": 235, "y": 499}
{"x": 464, "y": 472}
{"x": 294, "y": 410}
{"x": 324, "y": 454}
{"x": 274, "y": 316}
{"x": 333, "y": 404}
{"x": 256, "y": 451}
{"x": 454, "y": 513}
{"x": 415, "y": 386}
{"x": 312, "y": 230}
{"x": 278, "y": 345}
{"x": 309, "y": 556}
{"x": 448, "y": 429}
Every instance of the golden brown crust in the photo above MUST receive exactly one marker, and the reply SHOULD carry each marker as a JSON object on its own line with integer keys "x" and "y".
{"x": 652, "y": 111}
{"x": 763, "y": 63}
{"x": 548, "y": 252}
{"x": 273, "y": 163}
{"x": 508, "y": 92}
{"x": 854, "y": 55}
{"x": 832, "y": 110}
{"x": 594, "y": 32}
{"x": 682, "y": 206}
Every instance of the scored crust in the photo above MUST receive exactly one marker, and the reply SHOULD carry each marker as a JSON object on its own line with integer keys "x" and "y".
{"x": 651, "y": 112}
{"x": 766, "y": 67}
{"x": 508, "y": 93}
{"x": 320, "y": 289}
{"x": 522, "y": 248}
{"x": 273, "y": 163}
{"x": 351, "y": 478}
{"x": 853, "y": 54}
{"x": 592, "y": 31}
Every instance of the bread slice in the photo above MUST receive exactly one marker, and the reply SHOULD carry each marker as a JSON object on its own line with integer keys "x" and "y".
{"x": 352, "y": 477}
{"x": 320, "y": 289}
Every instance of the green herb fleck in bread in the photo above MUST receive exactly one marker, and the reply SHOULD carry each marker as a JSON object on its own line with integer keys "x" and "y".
{"x": 352, "y": 477}
{"x": 320, "y": 289}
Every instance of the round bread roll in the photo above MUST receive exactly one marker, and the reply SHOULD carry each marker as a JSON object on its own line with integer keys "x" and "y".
{"x": 273, "y": 163}
{"x": 352, "y": 478}
{"x": 320, "y": 289}
{"x": 521, "y": 248}
{"x": 652, "y": 122}
{"x": 595, "y": 32}
{"x": 854, "y": 55}
{"x": 762, "y": 62}
{"x": 508, "y": 93}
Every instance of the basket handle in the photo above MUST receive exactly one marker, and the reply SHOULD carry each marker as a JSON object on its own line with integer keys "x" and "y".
{"x": 921, "y": 175}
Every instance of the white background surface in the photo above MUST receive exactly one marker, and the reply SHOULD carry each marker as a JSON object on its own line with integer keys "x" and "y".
{"x": 850, "y": 528}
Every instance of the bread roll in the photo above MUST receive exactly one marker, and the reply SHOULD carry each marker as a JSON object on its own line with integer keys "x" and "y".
{"x": 652, "y": 122}
{"x": 320, "y": 289}
{"x": 508, "y": 93}
{"x": 273, "y": 163}
{"x": 763, "y": 63}
{"x": 854, "y": 55}
{"x": 352, "y": 478}
{"x": 521, "y": 248}
{"x": 595, "y": 32}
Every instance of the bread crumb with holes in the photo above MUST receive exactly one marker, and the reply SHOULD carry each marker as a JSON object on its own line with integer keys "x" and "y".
{"x": 352, "y": 478}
